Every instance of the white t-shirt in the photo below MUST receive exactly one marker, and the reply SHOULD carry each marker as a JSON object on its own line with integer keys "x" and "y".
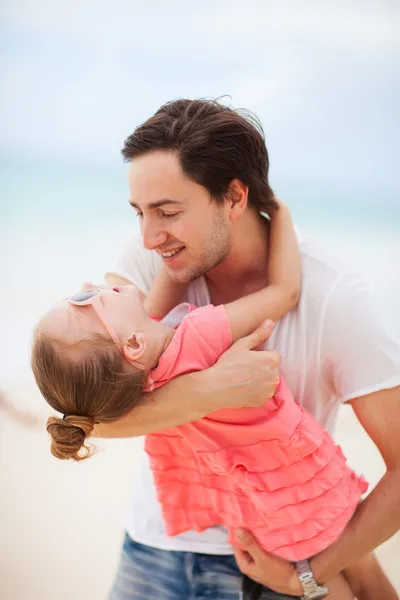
{"x": 334, "y": 348}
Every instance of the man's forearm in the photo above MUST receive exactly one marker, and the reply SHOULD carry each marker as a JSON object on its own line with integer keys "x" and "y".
{"x": 183, "y": 400}
{"x": 375, "y": 521}
{"x": 241, "y": 378}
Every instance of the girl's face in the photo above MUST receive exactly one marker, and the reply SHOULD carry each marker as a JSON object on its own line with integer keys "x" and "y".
{"x": 125, "y": 314}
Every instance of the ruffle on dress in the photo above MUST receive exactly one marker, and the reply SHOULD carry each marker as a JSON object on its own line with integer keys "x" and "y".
{"x": 296, "y": 495}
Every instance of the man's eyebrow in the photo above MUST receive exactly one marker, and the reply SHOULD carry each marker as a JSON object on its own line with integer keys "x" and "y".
{"x": 156, "y": 204}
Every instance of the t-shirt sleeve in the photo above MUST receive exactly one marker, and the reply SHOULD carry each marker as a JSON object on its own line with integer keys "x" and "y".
{"x": 212, "y": 325}
{"x": 136, "y": 264}
{"x": 358, "y": 355}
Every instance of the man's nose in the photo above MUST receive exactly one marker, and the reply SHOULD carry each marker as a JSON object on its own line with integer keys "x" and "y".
{"x": 153, "y": 235}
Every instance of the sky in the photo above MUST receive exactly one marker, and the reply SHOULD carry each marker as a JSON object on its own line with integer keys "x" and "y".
{"x": 78, "y": 77}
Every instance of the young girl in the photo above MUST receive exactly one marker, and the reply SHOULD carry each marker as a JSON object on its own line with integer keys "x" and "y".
{"x": 272, "y": 470}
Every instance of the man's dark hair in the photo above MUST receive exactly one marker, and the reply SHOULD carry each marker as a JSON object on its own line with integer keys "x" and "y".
{"x": 215, "y": 144}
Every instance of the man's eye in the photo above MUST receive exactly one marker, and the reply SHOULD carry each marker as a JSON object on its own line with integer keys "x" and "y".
{"x": 169, "y": 215}
{"x": 139, "y": 214}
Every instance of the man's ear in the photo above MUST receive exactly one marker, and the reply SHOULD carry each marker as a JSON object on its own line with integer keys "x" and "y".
{"x": 135, "y": 347}
{"x": 237, "y": 197}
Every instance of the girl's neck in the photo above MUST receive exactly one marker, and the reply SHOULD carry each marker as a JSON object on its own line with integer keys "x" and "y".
{"x": 157, "y": 342}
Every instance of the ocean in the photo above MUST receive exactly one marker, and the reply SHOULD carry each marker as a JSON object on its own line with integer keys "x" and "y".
{"x": 61, "y": 224}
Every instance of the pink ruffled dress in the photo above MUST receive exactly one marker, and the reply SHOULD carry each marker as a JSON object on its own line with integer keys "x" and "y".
{"x": 272, "y": 470}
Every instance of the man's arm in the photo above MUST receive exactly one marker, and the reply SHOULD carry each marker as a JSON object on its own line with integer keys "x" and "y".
{"x": 240, "y": 378}
{"x": 378, "y": 517}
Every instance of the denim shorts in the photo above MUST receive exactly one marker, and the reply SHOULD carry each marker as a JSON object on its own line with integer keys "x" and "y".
{"x": 146, "y": 573}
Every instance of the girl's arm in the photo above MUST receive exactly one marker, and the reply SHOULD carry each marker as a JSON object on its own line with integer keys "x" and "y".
{"x": 284, "y": 280}
{"x": 164, "y": 294}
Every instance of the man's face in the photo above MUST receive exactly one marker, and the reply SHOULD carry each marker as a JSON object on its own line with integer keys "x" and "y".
{"x": 177, "y": 217}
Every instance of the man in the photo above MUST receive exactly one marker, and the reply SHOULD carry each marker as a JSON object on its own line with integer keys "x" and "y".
{"x": 198, "y": 179}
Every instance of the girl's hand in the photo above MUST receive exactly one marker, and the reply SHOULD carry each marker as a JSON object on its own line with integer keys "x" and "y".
{"x": 280, "y": 204}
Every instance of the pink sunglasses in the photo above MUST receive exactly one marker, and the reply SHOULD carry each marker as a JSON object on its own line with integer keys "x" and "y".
{"x": 93, "y": 298}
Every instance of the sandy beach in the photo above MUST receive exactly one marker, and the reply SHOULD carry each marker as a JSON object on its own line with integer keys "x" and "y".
{"x": 62, "y": 523}
{"x": 77, "y": 79}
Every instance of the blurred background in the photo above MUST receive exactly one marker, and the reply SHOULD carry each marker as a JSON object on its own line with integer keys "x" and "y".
{"x": 76, "y": 79}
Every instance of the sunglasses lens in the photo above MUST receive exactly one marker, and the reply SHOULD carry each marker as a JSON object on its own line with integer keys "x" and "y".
{"x": 83, "y": 296}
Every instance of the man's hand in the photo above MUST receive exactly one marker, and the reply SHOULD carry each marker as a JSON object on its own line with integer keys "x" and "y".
{"x": 247, "y": 378}
{"x": 241, "y": 378}
{"x": 267, "y": 569}
{"x": 280, "y": 575}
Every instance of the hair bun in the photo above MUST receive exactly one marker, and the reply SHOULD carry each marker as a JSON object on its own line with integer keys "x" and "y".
{"x": 68, "y": 436}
